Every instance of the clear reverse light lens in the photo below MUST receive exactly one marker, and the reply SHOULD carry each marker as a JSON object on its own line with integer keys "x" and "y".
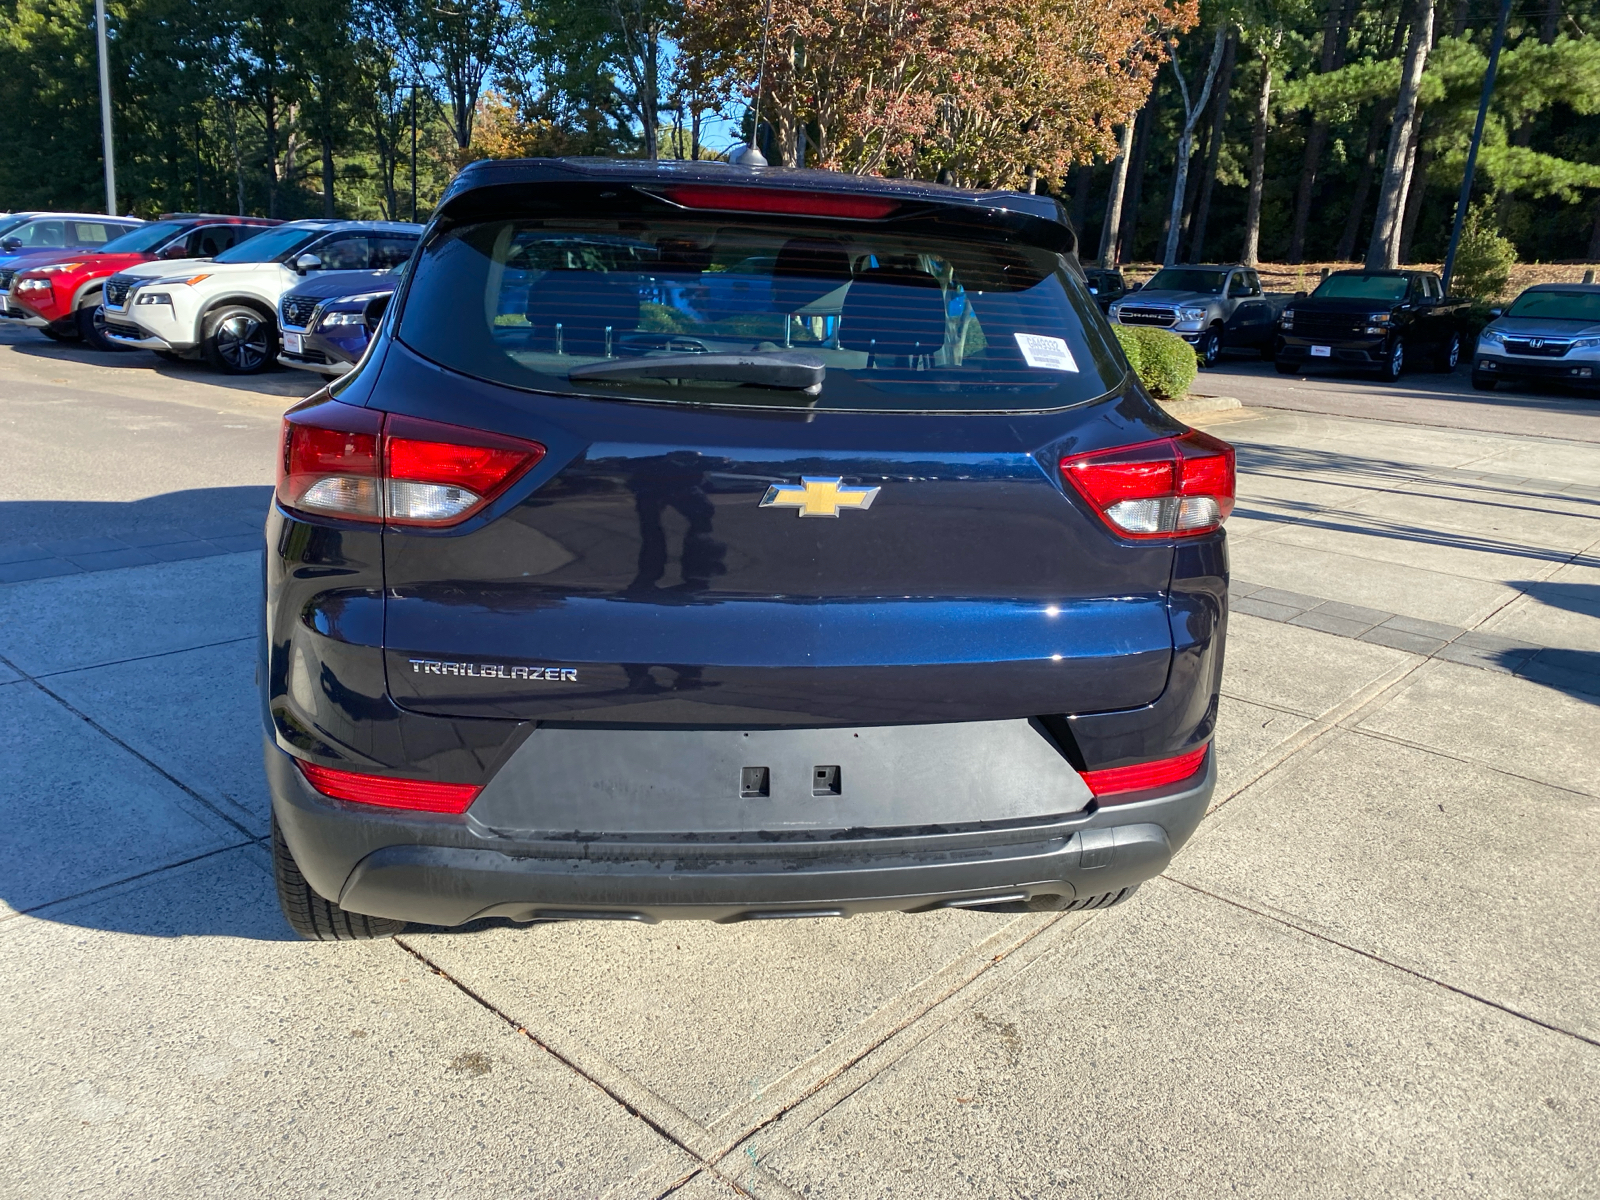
{"x": 428, "y": 503}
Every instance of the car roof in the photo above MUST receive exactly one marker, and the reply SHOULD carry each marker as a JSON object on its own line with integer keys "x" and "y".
{"x": 1397, "y": 271}
{"x": 79, "y": 216}
{"x": 1563, "y": 287}
{"x": 323, "y": 225}
{"x": 498, "y": 173}
{"x": 224, "y": 218}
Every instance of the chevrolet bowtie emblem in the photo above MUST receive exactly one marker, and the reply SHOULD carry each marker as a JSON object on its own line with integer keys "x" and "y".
{"x": 818, "y": 496}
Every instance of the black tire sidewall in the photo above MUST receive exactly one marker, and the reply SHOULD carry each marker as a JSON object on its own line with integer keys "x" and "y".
{"x": 208, "y": 343}
{"x": 89, "y": 330}
{"x": 1390, "y": 375}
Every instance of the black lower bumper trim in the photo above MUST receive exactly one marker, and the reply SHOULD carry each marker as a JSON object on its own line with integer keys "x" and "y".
{"x": 442, "y": 873}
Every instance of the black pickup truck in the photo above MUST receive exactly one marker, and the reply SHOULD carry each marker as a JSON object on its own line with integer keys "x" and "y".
{"x": 1373, "y": 320}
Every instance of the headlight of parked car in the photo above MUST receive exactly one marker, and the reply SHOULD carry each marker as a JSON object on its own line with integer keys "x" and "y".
{"x": 1191, "y": 314}
{"x": 1586, "y": 343}
{"x": 1493, "y": 336}
{"x": 1286, "y": 321}
{"x": 341, "y": 318}
{"x": 1382, "y": 318}
{"x": 153, "y": 298}
{"x": 1114, "y": 311}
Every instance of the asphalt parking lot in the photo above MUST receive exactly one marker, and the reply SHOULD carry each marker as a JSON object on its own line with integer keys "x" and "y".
{"x": 1373, "y": 972}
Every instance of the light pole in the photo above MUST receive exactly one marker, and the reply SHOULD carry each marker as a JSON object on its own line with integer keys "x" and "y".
{"x": 414, "y": 153}
{"x": 1472, "y": 151}
{"x": 105, "y": 108}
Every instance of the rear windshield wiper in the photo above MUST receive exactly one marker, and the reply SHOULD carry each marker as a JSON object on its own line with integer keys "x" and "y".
{"x": 797, "y": 372}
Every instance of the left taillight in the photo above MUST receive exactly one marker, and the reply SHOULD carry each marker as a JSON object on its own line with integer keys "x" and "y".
{"x": 419, "y": 795}
{"x": 1175, "y": 487}
{"x": 359, "y": 464}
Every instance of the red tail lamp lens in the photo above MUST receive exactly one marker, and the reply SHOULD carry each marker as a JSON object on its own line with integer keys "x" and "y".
{"x": 441, "y": 474}
{"x": 361, "y": 465}
{"x": 1140, "y": 776}
{"x": 781, "y": 201}
{"x": 1177, "y": 487}
{"x": 414, "y": 794}
{"x": 329, "y": 461}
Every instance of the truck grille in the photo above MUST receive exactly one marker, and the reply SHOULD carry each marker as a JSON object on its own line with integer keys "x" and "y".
{"x": 295, "y": 311}
{"x": 117, "y": 292}
{"x": 1147, "y": 316}
{"x": 1330, "y": 325}
{"x": 1538, "y": 347}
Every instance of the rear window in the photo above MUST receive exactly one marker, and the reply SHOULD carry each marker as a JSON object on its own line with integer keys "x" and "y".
{"x": 900, "y": 321}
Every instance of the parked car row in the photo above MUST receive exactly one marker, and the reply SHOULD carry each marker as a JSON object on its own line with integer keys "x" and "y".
{"x": 238, "y": 292}
{"x": 1385, "y": 322}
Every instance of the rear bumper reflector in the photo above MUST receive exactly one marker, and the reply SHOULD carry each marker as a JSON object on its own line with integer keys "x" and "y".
{"x": 415, "y": 794}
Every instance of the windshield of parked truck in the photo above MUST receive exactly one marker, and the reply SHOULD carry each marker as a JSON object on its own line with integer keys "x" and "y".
{"x": 1362, "y": 287}
{"x": 146, "y": 237}
{"x": 270, "y": 246}
{"x": 1557, "y": 306}
{"x": 1186, "y": 279}
{"x": 899, "y": 320}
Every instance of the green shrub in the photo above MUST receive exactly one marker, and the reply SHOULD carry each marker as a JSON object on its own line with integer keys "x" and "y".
{"x": 1483, "y": 259}
{"x": 1163, "y": 361}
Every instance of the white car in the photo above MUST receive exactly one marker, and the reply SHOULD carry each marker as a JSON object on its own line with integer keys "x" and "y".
{"x": 224, "y": 309}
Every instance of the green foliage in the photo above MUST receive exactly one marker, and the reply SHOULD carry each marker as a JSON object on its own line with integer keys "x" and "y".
{"x": 1162, "y": 360}
{"x": 1484, "y": 258}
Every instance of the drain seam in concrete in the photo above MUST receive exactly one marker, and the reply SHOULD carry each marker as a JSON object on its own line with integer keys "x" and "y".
{"x": 117, "y": 662}
{"x": 629, "y": 1106}
{"x": 134, "y": 878}
{"x": 145, "y": 759}
{"x": 1379, "y": 959}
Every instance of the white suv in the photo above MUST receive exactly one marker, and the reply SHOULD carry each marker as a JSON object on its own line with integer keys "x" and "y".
{"x": 224, "y": 309}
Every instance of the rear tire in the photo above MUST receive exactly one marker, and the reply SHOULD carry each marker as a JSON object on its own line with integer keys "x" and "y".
{"x": 238, "y": 340}
{"x": 56, "y": 335}
{"x": 314, "y": 917}
{"x": 91, "y": 328}
{"x": 1450, "y": 354}
{"x": 1483, "y": 383}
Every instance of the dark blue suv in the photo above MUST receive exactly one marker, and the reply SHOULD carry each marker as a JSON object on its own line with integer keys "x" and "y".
{"x": 588, "y": 596}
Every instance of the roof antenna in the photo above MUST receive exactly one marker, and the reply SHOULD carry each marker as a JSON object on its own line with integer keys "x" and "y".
{"x": 749, "y": 155}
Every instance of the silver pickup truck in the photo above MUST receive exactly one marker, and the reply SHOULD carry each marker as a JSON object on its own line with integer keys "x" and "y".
{"x": 1210, "y": 307}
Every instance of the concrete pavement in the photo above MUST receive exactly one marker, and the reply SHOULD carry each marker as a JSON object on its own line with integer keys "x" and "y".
{"x": 1372, "y": 972}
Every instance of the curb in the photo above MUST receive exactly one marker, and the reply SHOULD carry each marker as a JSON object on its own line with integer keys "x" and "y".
{"x": 1194, "y": 406}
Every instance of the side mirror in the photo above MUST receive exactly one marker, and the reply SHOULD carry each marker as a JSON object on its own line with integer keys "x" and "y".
{"x": 1494, "y": 312}
{"x": 1134, "y": 287}
{"x": 307, "y": 262}
{"x": 372, "y": 314}
{"x": 10, "y": 244}
{"x": 1299, "y": 295}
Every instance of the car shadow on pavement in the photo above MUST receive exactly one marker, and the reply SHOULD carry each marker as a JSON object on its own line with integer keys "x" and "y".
{"x": 164, "y": 519}
{"x": 1575, "y": 672}
{"x": 274, "y": 381}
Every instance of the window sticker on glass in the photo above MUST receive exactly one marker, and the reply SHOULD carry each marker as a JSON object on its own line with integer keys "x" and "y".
{"x": 1050, "y": 353}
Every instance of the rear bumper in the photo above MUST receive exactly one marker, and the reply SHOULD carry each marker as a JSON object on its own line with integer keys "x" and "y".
{"x": 449, "y": 870}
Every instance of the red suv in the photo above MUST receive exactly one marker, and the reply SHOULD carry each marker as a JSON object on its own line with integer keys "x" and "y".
{"x": 62, "y": 298}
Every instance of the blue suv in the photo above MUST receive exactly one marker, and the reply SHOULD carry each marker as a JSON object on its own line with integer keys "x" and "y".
{"x": 590, "y": 597}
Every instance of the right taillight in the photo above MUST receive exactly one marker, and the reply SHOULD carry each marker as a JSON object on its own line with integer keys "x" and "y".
{"x": 1176, "y": 487}
{"x": 359, "y": 464}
